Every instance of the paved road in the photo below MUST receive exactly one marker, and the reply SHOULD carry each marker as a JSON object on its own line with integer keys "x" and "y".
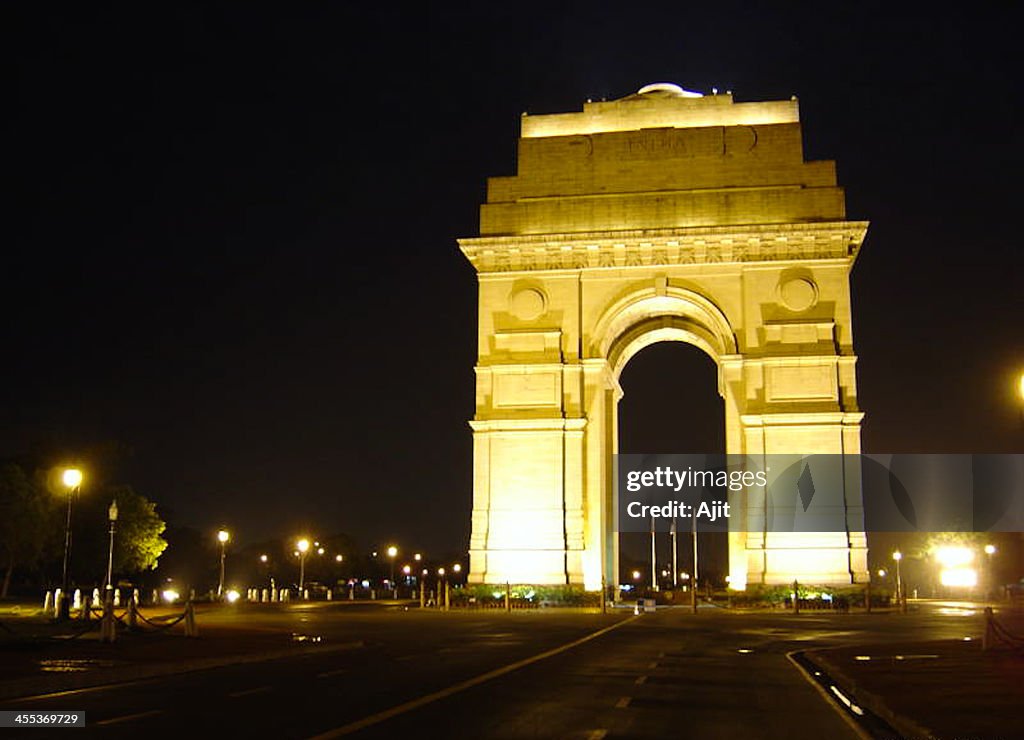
{"x": 672, "y": 674}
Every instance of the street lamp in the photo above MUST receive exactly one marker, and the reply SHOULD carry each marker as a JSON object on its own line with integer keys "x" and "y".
{"x": 302, "y": 546}
{"x": 72, "y": 479}
{"x": 392, "y": 551}
{"x": 112, "y": 515}
{"x": 898, "y": 557}
{"x": 990, "y": 550}
{"x": 222, "y": 536}
{"x": 417, "y": 557}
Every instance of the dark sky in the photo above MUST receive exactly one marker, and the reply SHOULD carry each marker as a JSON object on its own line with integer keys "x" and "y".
{"x": 231, "y": 244}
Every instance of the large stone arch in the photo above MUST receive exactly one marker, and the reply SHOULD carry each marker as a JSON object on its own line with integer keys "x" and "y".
{"x": 710, "y": 229}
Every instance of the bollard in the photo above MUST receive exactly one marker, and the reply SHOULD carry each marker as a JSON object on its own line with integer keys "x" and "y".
{"x": 108, "y": 627}
{"x": 48, "y": 602}
{"x": 351, "y": 593}
{"x": 305, "y": 595}
{"x": 423, "y": 595}
{"x": 447, "y": 596}
{"x": 373, "y": 594}
{"x": 156, "y": 597}
{"x": 264, "y": 596}
{"x": 330, "y": 594}
{"x": 192, "y": 594}
{"x": 57, "y": 596}
{"x": 190, "y": 621}
{"x": 77, "y": 601}
{"x": 117, "y": 597}
{"x": 96, "y": 596}
{"x": 135, "y": 595}
{"x": 987, "y": 637}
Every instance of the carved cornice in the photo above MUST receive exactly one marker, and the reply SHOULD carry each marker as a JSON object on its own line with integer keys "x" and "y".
{"x": 666, "y": 247}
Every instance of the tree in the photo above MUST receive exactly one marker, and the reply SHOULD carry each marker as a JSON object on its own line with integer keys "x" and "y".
{"x": 137, "y": 544}
{"x": 27, "y": 521}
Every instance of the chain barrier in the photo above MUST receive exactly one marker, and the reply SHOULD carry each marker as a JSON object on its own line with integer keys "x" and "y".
{"x": 998, "y": 633}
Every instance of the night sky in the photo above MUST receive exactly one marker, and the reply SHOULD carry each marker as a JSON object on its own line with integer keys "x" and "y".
{"x": 230, "y": 275}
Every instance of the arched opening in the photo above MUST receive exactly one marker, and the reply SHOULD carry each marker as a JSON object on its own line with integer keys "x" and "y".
{"x": 671, "y": 404}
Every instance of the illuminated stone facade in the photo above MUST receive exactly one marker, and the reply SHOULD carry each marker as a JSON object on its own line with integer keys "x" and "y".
{"x": 663, "y": 216}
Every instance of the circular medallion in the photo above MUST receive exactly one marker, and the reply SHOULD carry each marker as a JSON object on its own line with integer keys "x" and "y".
{"x": 527, "y": 304}
{"x": 798, "y": 294}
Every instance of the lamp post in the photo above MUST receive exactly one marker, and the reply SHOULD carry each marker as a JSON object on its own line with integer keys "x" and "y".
{"x": 303, "y": 547}
{"x": 112, "y": 515}
{"x": 72, "y": 479}
{"x": 900, "y": 600}
{"x": 222, "y": 536}
{"x": 392, "y": 552}
{"x": 990, "y": 550}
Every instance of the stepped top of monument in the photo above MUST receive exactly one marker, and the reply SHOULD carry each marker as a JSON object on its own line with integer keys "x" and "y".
{"x": 660, "y": 105}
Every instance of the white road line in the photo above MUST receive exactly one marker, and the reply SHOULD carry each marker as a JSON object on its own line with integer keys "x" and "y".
{"x": 247, "y": 692}
{"x": 129, "y": 717}
{"x": 623, "y": 702}
{"x": 462, "y": 686}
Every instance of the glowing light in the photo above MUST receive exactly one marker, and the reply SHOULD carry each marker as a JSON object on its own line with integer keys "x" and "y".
{"x": 881, "y": 572}
{"x": 990, "y": 549}
{"x": 417, "y": 557}
{"x": 407, "y": 569}
{"x": 263, "y": 558}
{"x": 72, "y": 477}
{"x": 897, "y": 556}
{"x": 320, "y": 551}
{"x": 302, "y": 545}
{"x": 457, "y": 567}
{"x": 392, "y": 551}
{"x": 338, "y": 558}
{"x": 440, "y": 571}
{"x": 1022, "y": 386}
{"x": 170, "y": 595}
{"x": 223, "y": 536}
{"x": 954, "y": 556}
{"x": 668, "y": 87}
{"x": 636, "y": 575}
{"x": 744, "y": 651}
{"x": 232, "y": 596}
{"x": 958, "y": 577}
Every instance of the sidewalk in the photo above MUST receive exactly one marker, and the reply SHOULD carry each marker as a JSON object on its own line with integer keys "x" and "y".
{"x": 944, "y": 689}
{"x": 43, "y": 657}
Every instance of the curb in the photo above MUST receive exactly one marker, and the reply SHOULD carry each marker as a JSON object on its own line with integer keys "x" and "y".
{"x": 32, "y": 687}
{"x": 906, "y": 726}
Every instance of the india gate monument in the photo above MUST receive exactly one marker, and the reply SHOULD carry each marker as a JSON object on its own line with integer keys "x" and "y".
{"x": 662, "y": 216}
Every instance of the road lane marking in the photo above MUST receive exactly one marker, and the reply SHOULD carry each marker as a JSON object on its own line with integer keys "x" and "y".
{"x": 408, "y": 706}
{"x": 328, "y": 674}
{"x": 129, "y": 717}
{"x": 247, "y": 692}
{"x": 84, "y": 690}
{"x": 623, "y": 702}
{"x": 597, "y": 734}
{"x": 640, "y": 680}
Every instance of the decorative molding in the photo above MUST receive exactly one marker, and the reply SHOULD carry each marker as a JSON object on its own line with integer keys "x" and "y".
{"x": 653, "y": 247}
